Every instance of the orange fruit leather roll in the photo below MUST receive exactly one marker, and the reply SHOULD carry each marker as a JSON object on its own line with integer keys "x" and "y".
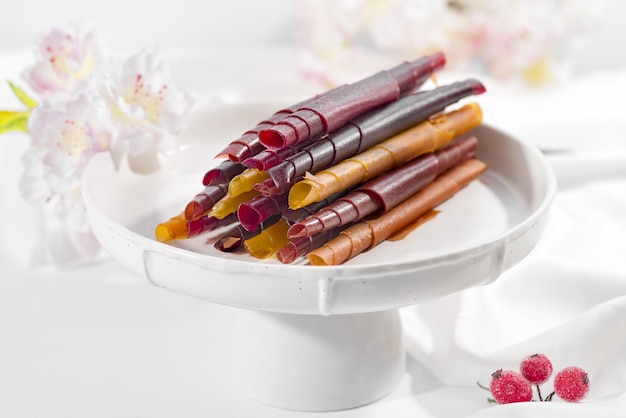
{"x": 425, "y": 137}
{"x": 174, "y": 228}
{"x": 368, "y": 234}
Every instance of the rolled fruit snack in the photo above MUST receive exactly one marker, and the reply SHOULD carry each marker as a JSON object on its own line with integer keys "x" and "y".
{"x": 297, "y": 247}
{"x": 296, "y": 215}
{"x": 367, "y": 234}
{"x": 209, "y": 223}
{"x": 229, "y": 204}
{"x": 269, "y": 241}
{"x": 178, "y": 227}
{"x": 223, "y": 173}
{"x": 366, "y": 131}
{"x": 173, "y": 228}
{"x": 245, "y": 181}
{"x": 334, "y": 109}
{"x": 426, "y": 137}
{"x": 269, "y": 158}
{"x": 204, "y": 201}
{"x": 265, "y": 159}
{"x": 387, "y": 190}
{"x": 252, "y": 213}
{"x": 249, "y": 144}
{"x": 234, "y": 239}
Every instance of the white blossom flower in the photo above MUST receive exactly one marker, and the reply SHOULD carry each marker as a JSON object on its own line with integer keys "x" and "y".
{"x": 85, "y": 106}
{"x": 146, "y": 108}
{"x": 65, "y": 136}
{"x": 527, "y": 39}
{"x": 65, "y": 58}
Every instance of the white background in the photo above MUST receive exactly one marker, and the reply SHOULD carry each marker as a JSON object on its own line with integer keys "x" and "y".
{"x": 233, "y": 23}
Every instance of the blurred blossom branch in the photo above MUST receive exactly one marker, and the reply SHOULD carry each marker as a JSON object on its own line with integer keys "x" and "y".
{"x": 529, "y": 40}
{"x": 87, "y": 105}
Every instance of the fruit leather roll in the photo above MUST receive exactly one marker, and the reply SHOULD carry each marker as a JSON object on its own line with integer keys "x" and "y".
{"x": 249, "y": 144}
{"x": 246, "y": 181}
{"x": 254, "y": 212}
{"x": 223, "y": 173}
{"x": 229, "y": 204}
{"x": 209, "y": 223}
{"x": 366, "y": 131}
{"x": 233, "y": 239}
{"x": 269, "y": 241}
{"x": 178, "y": 227}
{"x": 386, "y": 191}
{"x": 426, "y": 137}
{"x": 204, "y": 201}
{"x": 269, "y": 158}
{"x": 296, "y": 215}
{"x": 173, "y": 228}
{"x": 367, "y": 234}
{"x": 297, "y": 247}
{"x": 333, "y": 110}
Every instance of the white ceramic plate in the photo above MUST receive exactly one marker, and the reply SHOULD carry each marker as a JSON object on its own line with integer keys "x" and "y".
{"x": 486, "y": 228}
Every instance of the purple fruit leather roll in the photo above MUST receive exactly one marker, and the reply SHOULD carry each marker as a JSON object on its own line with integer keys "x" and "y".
{"x": 334, "y": 110}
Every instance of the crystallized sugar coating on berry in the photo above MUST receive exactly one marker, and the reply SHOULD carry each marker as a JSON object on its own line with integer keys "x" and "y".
{"x": 571, "y": 384}
{"x": 537, "y": 368}
{"x": 508, "y": 386}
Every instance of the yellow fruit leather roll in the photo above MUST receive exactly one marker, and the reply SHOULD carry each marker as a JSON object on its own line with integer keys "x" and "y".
{"x": 245, "y": 181}
{"x": 269, "y": 241}
{"x": 229, "y": 204}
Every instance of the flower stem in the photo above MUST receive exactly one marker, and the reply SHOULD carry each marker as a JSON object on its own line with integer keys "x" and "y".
{"x": 549, "y": 397}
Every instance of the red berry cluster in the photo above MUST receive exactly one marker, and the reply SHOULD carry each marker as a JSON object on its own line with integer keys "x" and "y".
{"x": 507, "y": 386}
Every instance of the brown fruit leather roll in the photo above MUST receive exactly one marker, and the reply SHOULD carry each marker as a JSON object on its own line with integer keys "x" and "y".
{"x": 368, "y": 234}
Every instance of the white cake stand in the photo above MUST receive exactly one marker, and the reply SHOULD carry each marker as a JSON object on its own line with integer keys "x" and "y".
{"x": 320, "y": 338}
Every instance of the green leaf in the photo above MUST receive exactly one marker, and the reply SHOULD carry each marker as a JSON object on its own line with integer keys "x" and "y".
{"x": 13, "y": 121}
{"x": 23, "y": 96}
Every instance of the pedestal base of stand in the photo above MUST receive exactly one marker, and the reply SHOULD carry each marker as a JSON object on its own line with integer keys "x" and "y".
{"x": 318, "y": 363}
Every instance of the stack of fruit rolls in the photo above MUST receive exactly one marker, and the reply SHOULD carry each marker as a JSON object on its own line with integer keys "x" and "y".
{"x": 343, "y": 165}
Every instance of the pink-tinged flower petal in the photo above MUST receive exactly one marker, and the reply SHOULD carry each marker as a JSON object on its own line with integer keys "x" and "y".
{"x": 65, "y": 136}
{"x": 65, "y": 58}
{"x": 42, "y": 77}
{"x": 78, "y": 128}
{"x": 148, "y": 110}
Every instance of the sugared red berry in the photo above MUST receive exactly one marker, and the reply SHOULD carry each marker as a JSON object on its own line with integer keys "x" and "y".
{"x": 508, "y": 386}
{"x": 537, "y": 368}
{"x": 571, "y": 384}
